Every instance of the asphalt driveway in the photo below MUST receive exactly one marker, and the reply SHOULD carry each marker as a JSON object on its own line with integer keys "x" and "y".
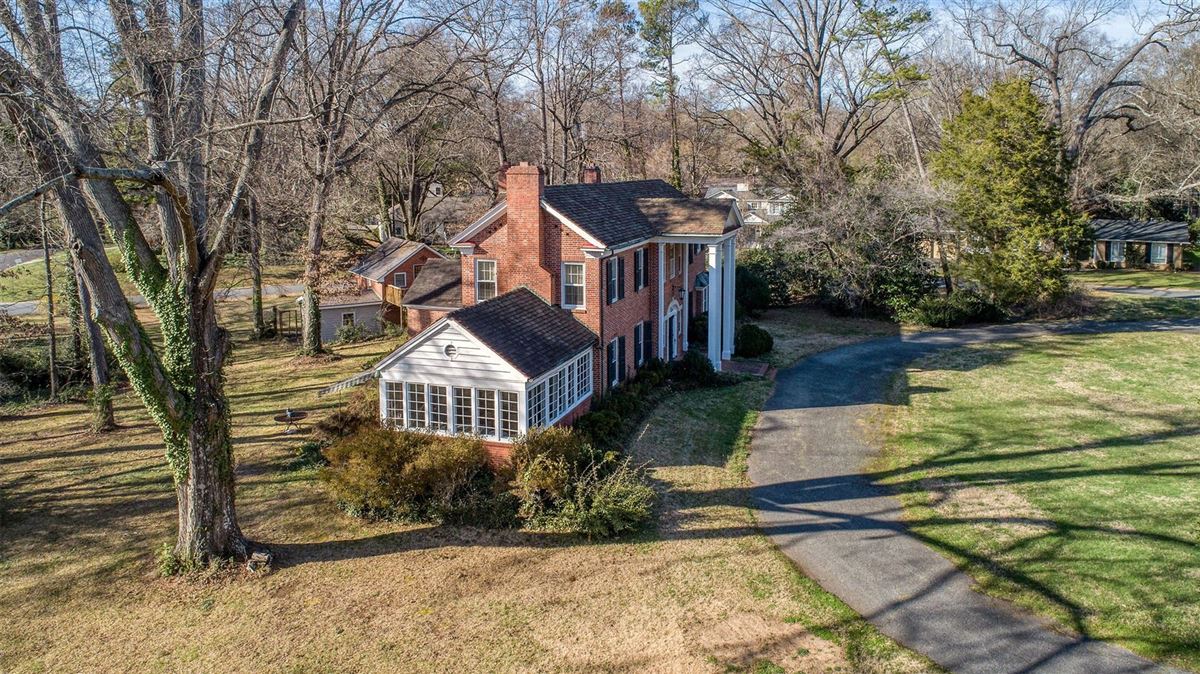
{"x": 847, "y": 533}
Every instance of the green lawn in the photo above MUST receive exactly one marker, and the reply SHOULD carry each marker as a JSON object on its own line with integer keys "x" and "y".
{"x": 28, "y": 281}
{"x": 701, "y": 591}
{"x": 1140, "y": 278}
{"x": 1062, "y": 473}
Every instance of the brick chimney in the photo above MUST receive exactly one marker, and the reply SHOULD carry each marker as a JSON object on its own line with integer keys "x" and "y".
{"x": 591, "y": 175}
{"x": 525, "y": 260}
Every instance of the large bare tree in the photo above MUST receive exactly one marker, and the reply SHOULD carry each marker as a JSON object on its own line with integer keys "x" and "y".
{"x": 1063, "y": 44}
{"x": 61, "y": 119}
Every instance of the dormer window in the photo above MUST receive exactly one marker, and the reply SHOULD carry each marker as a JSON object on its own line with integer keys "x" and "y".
{"x": 485, "y": 280}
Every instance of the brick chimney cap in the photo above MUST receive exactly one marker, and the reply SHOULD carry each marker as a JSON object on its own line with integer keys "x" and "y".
{"x": 525, "y": 168}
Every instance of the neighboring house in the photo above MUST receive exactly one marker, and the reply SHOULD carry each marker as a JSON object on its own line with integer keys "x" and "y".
{"x": 390, "y": 269}
{"x": 561, "y": 293}
{"x": 759, "y": 207}
{"x": 1155, "y": 244}
{"x": 362, "y": 308}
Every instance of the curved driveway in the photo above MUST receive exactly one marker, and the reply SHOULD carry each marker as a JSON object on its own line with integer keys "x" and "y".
{"x": 847, "y": 533}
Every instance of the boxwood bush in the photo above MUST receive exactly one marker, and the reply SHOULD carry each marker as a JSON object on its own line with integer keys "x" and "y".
{"x": 751, "y": 341}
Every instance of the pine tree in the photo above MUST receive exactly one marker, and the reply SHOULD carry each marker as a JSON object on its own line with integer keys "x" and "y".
{"x": 1002, "y": 161}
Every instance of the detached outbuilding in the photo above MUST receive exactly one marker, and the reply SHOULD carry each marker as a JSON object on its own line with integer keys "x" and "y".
{"x": 1152, "y": 244}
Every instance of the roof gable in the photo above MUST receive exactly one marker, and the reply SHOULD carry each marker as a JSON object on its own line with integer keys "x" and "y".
{"x": 387, "y": 256}
{"x": 439, "y": 285}
{"x": 525, "y": 331}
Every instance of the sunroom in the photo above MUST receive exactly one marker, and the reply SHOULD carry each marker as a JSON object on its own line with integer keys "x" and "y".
{"x": 495, "y": 370}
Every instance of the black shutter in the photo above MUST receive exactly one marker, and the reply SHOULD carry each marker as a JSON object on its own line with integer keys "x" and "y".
{"x": 621, "y": 358}
{"x": 645, "y": 269}
{"x": 647, "y": 341}
{"x": 610, "y": 363}
{"x": 1170, "y": 256}
{"x": 620, "y": 278}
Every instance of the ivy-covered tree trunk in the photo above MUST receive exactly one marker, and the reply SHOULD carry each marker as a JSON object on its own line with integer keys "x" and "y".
{"x": 208, "y": 526}
{"x": 311, "y": 305}
{"x": 103, "y": 418}
{"x": 179, "y": 378}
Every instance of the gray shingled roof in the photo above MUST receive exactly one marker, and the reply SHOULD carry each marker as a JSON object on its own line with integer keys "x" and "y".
{"x": 384, "y": 258}
{"x": 525, "y": 331}
{"x": 608, "y": 211}
{"x": 438, "y": 284}
{"x": 1156, "y": 231}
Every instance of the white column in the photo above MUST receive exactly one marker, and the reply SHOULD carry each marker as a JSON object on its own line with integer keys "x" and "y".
{"x": 728, "y": 287}
{"x": 715, "y": 273}
{"x": 662, "y": 322}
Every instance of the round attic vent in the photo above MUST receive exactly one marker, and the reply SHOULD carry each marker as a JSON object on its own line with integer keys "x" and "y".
{"x": 450, "y": 350}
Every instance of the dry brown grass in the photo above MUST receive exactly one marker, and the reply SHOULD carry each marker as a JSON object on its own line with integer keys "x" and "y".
{"x": 704, "y": 592}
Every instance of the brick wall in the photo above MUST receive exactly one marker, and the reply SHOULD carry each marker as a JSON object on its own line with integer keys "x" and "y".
{"x": 417, "y": 320}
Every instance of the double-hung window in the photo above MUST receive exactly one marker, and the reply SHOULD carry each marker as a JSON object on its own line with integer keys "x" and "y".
{"x": 1116, "y": 251}
{"x": 400, "y": 279}
{"x": 615, "y": 351}
{"x": 641, "y": 270}
{"x": 395, "y": 402}
{"x": 572, "y": 285}
{"x": 462, "y": 410}
{"x": 439, "y": 408}
{"x": 583, "y": 375}
{"x": 485, "y": 280}
{"x": 347, "y": 318}
{"x": 1158, "y": 253}
{"x": 485, "y": 411}
{"x": 643, "y": 342}
{"x": 509, "y": 419}
{"x": 614, "y": 269}
{"x": 416, "y": 406}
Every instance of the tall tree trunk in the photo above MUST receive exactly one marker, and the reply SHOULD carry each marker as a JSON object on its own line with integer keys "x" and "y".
{"x": 102, "y": 407}
{"x": 53, "y": 367}
{"x": 672, "y": 112}
{"x": 74, "y": 314}
{"x": 208, "y": 525}
{"x": 256, "y": 293}
{"x": 311, "y": 323}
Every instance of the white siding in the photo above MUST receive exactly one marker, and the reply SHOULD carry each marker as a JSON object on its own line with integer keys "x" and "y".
{"x": 331, "y": 320}
{"x": 473, "y": 366}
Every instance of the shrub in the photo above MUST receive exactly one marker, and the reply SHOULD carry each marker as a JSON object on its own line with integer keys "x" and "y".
{"x": 753, "y": 293}
{"x": 308, "y": 455}
{"x": 547, "y": 462}
{"x": 383, "y": 474}
{"x": 360, "y": 410}
{"x": 776, "y": 269}
{"x": 959, "y": 308}
{"x": 607, "y": 503}
{"x": 751, "y": 341}
{"x": 693, "y": 370}
{"x": 354, "y": 332}
{"x": 602, "y": 427}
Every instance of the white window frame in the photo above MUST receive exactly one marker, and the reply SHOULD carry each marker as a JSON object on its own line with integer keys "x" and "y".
{"x": 1154, "y": 259}
{"x": 495, "y": 282}
{"x": 393, "y": 403}
{"x": 612, "y": 281}
{"x": 400, "y": 279}
{"x": 582, "y": 285}
{"x": 501, "y": 432}
{"x": 1114, "y": 246}
{"x": 344, "y": 315}
{"x": 456, "y": 408}
{"x": 551, "y": 396}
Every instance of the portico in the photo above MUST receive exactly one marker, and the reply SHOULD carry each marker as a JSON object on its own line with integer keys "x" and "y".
{"x": 720, "y": 270}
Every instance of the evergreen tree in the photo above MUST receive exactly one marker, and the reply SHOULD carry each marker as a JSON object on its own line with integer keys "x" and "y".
{"x": 1002, "y": 161}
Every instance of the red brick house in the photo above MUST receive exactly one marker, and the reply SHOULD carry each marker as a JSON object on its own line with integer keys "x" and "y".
{"x": 391, "y": 268}
{"x": 560, "y": 293}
